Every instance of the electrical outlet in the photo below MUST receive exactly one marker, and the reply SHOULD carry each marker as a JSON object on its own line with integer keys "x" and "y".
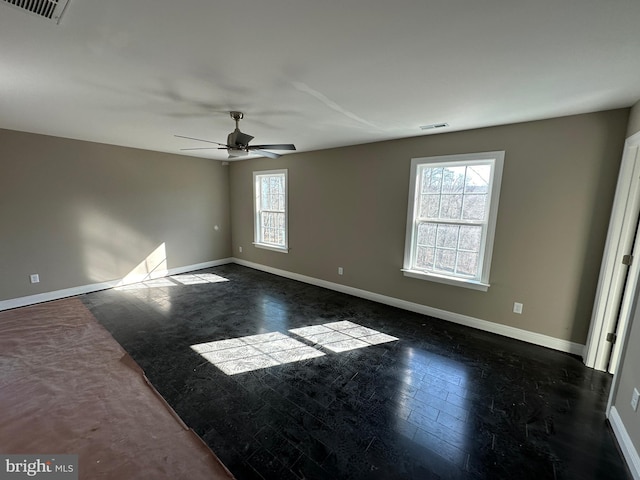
{"x": 240, "y": 249}
{"x": 517, "y": 307}
{"x": 634, "y": 399}
{"x": 35, "y": 278}
{"x": 340, "y": 271}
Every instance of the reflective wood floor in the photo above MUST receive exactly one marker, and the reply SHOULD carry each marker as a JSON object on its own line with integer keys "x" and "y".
{"x": 285, "y": 380}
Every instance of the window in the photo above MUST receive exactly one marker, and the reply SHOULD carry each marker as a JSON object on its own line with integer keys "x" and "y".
{"x": 453, "y": 205}
{"x": 270, "y": 210}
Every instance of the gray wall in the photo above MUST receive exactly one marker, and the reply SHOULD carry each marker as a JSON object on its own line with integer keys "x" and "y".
{"x": 348, "y": 207}
{"x": 80, "y": 213}
{"x": 634, "y": 120}
{"x": 628, "y": 376}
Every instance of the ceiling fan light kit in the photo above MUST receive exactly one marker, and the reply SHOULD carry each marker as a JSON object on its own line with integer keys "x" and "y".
{"x": 238, "y": 143}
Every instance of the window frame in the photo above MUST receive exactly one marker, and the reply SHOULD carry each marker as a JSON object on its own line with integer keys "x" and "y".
{"x": 481, "y": 281}
{"x": 257, "y": 227}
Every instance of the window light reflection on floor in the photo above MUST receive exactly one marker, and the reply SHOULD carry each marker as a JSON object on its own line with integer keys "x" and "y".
{"x": 433, "y": 395}
{"x": 342, "y": 336}
{"x": 244, "y": 354}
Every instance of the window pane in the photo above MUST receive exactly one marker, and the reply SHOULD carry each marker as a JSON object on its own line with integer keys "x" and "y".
{"x": 427, "y": 234}
{"x": 474, "y": 207}
{"x": 445, "y": 260}
{"x": 477, "y": 180}
{"x": 447, "y": 236}
{"x": 429, "y": 206}
{"x": 467, "y": 264}
{"x": 451, "y": 206}
{"x": 264, "y": 191}
{"x": 431, "y": 180}
{"x": 423, "y": 207}
{"x": 274, "y": 184}
{"x": 272, "y": 228}
{"x": 470, "y": 238}
{"x": 278, "y": 202}
{"x": 453, "y": 179}
{"x": 424, "y": 258}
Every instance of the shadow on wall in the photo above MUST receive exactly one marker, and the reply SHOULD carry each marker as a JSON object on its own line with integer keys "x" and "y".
{"x": 111, "y": 247}
{"x": 596, "y": 241}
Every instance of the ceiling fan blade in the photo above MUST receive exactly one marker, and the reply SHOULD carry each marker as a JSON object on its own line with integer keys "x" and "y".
{"x": 264, "y": 153}
{"x": 278, "y": 146}
{"x": 200, "y": 140}
{"x": 204, "y": 148}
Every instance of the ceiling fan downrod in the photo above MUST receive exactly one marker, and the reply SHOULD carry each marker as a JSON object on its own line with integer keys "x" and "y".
{"x": 237, "y": 116}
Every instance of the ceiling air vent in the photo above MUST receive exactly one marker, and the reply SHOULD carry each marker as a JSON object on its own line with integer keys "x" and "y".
{"x": 433, "y": 125}
{"x": 50, "y": 9}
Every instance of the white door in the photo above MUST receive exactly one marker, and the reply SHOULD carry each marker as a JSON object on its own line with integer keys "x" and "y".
{"x": 618, "y": 273}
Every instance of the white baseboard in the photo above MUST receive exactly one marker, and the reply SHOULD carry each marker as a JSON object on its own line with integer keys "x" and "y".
{"x": 507, "y": 331}
{"x": 626, "y": 444}
{"x": 94, "y": 287}
{"x": 504, "y": 330}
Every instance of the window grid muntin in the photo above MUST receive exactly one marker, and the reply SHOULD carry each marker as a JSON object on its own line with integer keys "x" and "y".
{"x": 457, "y": 249}
{"x": 272, "y": 227}
{"x": 271, "y": 222}
{"x": 439, "y": 220}
{"x": 440, "y": 193}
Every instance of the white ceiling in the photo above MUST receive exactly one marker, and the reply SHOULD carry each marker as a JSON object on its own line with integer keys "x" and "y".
{"x": 315, "y": 73}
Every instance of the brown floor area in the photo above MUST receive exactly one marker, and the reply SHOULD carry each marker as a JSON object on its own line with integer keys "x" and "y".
{"x": 67, "y": 387}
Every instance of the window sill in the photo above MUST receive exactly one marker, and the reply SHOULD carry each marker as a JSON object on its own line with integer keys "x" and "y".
{"x": 458, "y": 282}
{"x": 271, "y": 247}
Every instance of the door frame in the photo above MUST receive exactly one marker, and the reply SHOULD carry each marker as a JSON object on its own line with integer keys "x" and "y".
{"x": 616, "y": 284}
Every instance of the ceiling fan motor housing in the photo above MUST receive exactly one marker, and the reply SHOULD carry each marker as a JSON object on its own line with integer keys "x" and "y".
{"x": 239, "y": 140}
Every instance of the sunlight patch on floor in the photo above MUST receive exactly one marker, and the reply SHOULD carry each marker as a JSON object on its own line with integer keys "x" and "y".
{"x": 253, "y": 352}
{"x": 244, "y": 354}
{"x": 198, "y": 278}
{"x": 342, "y": 336}
{"x": 175, "y": 280}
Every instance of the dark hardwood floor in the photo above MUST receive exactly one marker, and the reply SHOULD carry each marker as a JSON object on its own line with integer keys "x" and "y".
{"x": 342, "y": 402}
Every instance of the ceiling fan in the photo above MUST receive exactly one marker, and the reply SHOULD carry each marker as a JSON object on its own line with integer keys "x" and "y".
{"x": 238, "y": 143}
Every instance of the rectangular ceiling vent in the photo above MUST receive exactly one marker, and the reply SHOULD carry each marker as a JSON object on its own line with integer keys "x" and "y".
{"x": 49, "y": 9}
{"x": 433, "y": 125}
